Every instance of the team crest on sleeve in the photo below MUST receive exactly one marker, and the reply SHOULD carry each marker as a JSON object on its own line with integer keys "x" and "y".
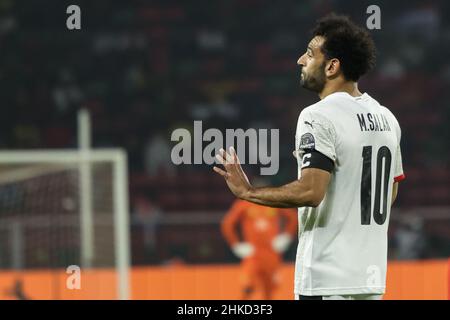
{"x": 307, "y": 141}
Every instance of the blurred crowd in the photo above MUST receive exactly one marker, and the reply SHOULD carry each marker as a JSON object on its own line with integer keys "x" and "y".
{"x": 145, "y": 68}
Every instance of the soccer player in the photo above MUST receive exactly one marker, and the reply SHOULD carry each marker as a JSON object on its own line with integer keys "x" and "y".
{"x": 349, "y": 160}
{"x": 262, "y": 243}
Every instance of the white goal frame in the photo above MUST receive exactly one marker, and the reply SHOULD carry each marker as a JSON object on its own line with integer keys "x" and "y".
{"x": 83, "y": 158}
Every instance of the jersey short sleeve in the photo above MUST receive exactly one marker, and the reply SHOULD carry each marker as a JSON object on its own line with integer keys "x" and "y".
{"x": 315, "y": 132}
{"x": 399, "y": 175}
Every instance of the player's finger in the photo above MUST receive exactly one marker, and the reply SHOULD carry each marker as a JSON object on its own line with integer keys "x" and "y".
{"x": 226, "y": 156}
{"x": 221, "y": 172}
{"x": 232, "y": 155}
{"x": 220, "y": 158}
{"x": 235, "y": 156}
{"x": 237, "y": 162}
{"x": 223, "y": 160}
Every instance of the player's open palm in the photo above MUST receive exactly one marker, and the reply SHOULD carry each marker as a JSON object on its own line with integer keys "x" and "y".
{"x": 235, "y": 177}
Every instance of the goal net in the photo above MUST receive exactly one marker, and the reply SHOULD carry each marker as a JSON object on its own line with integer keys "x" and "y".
{"x": 61, "y": 209}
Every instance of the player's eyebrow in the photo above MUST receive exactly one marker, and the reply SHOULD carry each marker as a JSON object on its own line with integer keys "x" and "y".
{"x": 310, "y": 49}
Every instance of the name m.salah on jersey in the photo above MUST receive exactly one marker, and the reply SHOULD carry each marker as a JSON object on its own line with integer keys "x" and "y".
{"x": 373, "y": 122}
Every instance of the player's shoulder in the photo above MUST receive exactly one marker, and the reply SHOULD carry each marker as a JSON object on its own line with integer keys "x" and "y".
{"x": 393, "y": 118}
{"x": 388, "y": 111}
{"x": 318, "y": 113}
{"x": 317, "y": 109}
{"x": 323, "y": 107}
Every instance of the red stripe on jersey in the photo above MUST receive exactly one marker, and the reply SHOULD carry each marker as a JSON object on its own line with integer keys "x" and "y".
{"x": 400, "y": 178}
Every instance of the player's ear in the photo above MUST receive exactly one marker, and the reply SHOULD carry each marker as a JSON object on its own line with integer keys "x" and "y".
{"x": 332, "y": 67}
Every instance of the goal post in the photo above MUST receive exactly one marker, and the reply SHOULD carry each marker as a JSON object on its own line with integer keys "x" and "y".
{"x": 65, "y": 207}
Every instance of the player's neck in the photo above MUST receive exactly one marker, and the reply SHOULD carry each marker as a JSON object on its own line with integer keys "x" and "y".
{"x": 340, "y": 86}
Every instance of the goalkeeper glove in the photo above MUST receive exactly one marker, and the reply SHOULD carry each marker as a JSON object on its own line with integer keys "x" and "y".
{"x": 281, "y": 242}
{"x": 243, "y": 249}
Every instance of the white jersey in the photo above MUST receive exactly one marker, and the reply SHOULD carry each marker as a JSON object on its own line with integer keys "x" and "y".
{"x": 342, "y": 246}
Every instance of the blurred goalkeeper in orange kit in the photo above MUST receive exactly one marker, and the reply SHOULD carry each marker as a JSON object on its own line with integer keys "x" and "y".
{"x": 262, "y": 245}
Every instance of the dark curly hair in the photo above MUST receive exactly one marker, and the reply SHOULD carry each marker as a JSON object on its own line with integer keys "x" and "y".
{"x": 349, "y": 43}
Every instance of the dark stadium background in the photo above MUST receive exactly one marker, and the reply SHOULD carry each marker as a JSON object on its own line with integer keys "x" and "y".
{"x": 145, "y": 68}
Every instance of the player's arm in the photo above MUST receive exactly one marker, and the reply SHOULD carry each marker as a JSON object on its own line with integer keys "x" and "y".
{"x": 399, "y": 175}
{"x": 309, "y": 190}
{"x": 394, "y": 192}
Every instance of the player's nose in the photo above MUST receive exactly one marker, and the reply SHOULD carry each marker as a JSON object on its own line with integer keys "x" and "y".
{"x": 300, "y": 60}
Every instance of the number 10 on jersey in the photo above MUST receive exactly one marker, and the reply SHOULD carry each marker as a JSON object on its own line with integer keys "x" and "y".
{"x": 381, "y": 185}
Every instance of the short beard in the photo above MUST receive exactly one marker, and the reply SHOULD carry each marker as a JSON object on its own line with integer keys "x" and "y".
{"x": 316, "y": 81}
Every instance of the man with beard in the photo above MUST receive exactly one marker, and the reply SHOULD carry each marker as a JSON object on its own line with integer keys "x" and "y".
{"x": 347, "y": 147}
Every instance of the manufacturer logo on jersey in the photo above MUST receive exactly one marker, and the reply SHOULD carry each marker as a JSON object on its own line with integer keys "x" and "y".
{"x": 307, "y": 141}
{"x": 309, "y": 123}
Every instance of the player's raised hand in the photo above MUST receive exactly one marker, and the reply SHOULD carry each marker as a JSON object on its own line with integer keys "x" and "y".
{"x": 234, "y": 176}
